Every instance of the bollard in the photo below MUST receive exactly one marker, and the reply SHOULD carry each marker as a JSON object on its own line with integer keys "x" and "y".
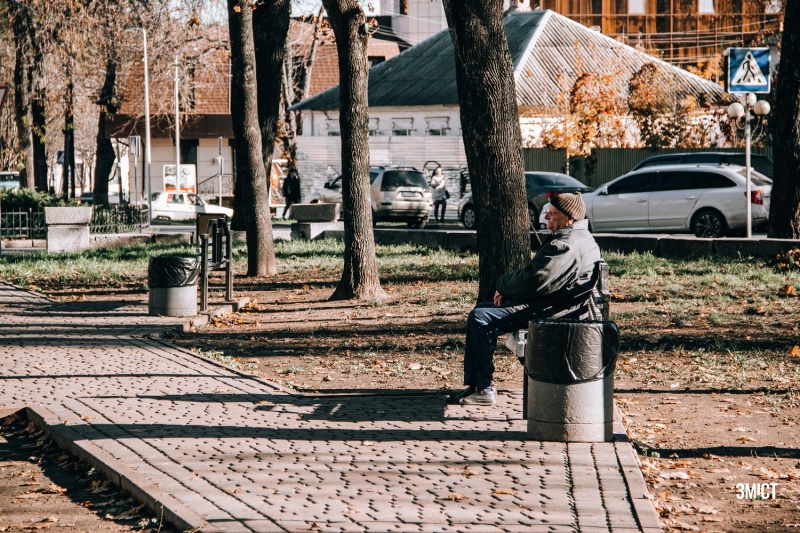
{"x": 569, "y": 380}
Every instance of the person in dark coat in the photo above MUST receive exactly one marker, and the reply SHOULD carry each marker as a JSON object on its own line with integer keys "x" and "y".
{"x": 553, "y": 284}
{"x": 291, "y": 190}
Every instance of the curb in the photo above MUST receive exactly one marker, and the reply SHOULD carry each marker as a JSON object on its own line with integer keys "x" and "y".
{"x": 643, "y": 507}
{"x": 159, "y": 502}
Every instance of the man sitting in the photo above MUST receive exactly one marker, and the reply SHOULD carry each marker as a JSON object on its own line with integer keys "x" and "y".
{"x": 556, "y": 283}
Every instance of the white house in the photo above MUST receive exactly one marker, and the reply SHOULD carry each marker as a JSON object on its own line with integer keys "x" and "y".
{"x": 413, "y": 97}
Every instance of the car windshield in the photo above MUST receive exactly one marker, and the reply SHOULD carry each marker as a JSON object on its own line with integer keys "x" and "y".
{"x": 393, "y": 180}
{"x": 155, "y": 196}
{"x": 756, "y": 178}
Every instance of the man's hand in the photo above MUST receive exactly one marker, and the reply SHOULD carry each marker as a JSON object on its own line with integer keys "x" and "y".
{"x": 498, "y": 299}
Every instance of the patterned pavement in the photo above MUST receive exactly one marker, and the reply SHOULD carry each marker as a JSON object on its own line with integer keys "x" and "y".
{"x": 217, "y": 450}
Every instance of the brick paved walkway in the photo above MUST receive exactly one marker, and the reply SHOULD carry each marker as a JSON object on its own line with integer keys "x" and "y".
{"x": 223, "y": 451}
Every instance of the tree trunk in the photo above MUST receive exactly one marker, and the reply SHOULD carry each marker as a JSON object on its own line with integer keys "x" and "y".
{"x": 360, "y": 276}
{"x": 251, "y": 192}
{"x": 289, "y": 135}
{"x": 39, "y": 120}
{"x": 492, "y": 138}
{"x": 68, "y": 166}
{"x": 22, "y": 94}
{"x": 270, "y": 28}
{"x": 784, "y": 212}
{"x": 105, "y": 149}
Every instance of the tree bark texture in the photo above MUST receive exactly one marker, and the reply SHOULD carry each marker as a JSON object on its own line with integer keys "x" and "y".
{"x": 270, "y": 28}
{"x": 251, "y": 193}
{"x": 68, "y": 166}
{"x": 360, "y": 278}
{"x": 492, "y": 137}
{"x": 784, "y": 211}
{"x": 22, "y": 25}
{"x": 105, "y": 149}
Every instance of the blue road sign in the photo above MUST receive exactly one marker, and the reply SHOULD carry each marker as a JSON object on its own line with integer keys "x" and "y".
{"x": 748, "y": 70}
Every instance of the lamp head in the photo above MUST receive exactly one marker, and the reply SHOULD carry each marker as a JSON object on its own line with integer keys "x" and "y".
{"x": 750, "y": 99}
{"x": 761, "y": 108}
{"x": 736, "y": 110}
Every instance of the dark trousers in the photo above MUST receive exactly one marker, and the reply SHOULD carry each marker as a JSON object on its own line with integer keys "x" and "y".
{"x": 286, "y": 207}
{"x": 484, "y": 324}
{"x": 443, "y": 204}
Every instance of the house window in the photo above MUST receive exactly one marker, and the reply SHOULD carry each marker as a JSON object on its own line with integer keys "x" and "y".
{"x": 706, "y": 7}
{"x": 375, "y": 60}
{"x": 636, "y": 7}
{"x": 402, "y": 126}
{"x": 438, "y": 126}
{"x": 333, "y": 128}
{"x": 373, "y": 127}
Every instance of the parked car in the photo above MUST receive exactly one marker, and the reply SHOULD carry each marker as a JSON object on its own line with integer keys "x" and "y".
{"x": 9, "y": 179}
{"x": 761, "y": 163}
{"x": 538, "y": 187}
{"x": 400, "y": 194}
{"x": 179, "y": 205}
{"x": 87, "y": 198}
{"x": 708, "y": 201}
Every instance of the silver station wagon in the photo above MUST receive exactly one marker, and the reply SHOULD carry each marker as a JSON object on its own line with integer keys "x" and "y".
{"x": 708, "y": 201}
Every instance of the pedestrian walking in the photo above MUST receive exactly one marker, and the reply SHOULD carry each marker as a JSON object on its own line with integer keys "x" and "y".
{"x": 291, "y": 190}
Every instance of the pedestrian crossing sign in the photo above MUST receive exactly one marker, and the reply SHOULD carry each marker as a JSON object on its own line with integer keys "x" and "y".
{"x": 748, "y": 70}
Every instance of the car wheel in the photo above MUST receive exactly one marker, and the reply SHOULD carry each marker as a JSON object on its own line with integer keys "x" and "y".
{"x": 533, "y": 216}
{"x": 469, "y": 217}
{"x": 709, "y": 223}
{"x": 417, "y": 224}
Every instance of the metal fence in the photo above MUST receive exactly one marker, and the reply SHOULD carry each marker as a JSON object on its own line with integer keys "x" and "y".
{"x": 28, "y": 224}
{"x": 125, "y": 219}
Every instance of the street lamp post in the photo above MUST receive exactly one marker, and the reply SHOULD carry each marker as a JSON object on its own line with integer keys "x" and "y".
{"x": 737, "y": 110}
{"x": 148, "y": 154}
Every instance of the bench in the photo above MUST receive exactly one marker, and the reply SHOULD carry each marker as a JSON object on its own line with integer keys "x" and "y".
{"x": 216, "y": 253}
{"x": 601, "y": 299}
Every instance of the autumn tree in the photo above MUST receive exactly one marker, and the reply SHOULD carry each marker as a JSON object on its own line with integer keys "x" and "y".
{"x": 492, "y": 137}
{"x": 784, "y": 216}
{"x": 30, "y": 92}
{"x": 270, "y": 28}
{"x": 360, "y": 274}
{"x": 251, "y": 189}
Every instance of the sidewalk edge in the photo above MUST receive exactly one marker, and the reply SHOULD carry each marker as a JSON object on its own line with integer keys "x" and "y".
{"x": 138, "y": 486}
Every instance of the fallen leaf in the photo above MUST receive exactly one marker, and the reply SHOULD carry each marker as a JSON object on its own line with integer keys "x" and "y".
{"x": 503, "y": 491}
{"x": 795, "y": 351}
{"x": 456, "y": 496}
{"x": 787, "y": 290}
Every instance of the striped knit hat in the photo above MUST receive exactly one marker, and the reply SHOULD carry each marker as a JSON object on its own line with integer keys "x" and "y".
{"x": 571, "y": 204}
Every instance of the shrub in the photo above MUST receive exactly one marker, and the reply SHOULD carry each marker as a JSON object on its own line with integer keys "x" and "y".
{"x": 24, "y": 199}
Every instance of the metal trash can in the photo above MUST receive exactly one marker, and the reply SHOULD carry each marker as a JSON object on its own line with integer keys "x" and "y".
{"x": 569, "y": 380}
{"x": 172, "y": 284}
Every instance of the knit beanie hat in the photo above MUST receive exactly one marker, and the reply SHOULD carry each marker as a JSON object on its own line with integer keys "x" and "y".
{"x": 571, "y": 204}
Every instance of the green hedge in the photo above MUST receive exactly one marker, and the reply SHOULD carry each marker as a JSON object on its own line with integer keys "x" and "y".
{"x": 24, "y": 199}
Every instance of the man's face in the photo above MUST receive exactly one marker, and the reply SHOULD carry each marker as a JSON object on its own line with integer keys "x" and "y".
{"x": 556, "y": 220}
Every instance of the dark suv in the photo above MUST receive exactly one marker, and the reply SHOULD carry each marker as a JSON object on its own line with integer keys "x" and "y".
{"x": 761, "y": 163}
{"x": 539, "y": 187}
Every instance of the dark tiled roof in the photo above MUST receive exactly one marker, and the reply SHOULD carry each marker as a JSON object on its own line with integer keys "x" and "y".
{"x": 543, "y": 45}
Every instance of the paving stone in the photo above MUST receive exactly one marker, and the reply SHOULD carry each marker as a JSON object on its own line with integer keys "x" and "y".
{"x": 238, "y": 453}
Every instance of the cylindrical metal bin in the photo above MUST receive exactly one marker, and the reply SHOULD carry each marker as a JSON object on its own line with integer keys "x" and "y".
{"x": 569, "y": 382}
{"x": 172, "y": 283}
